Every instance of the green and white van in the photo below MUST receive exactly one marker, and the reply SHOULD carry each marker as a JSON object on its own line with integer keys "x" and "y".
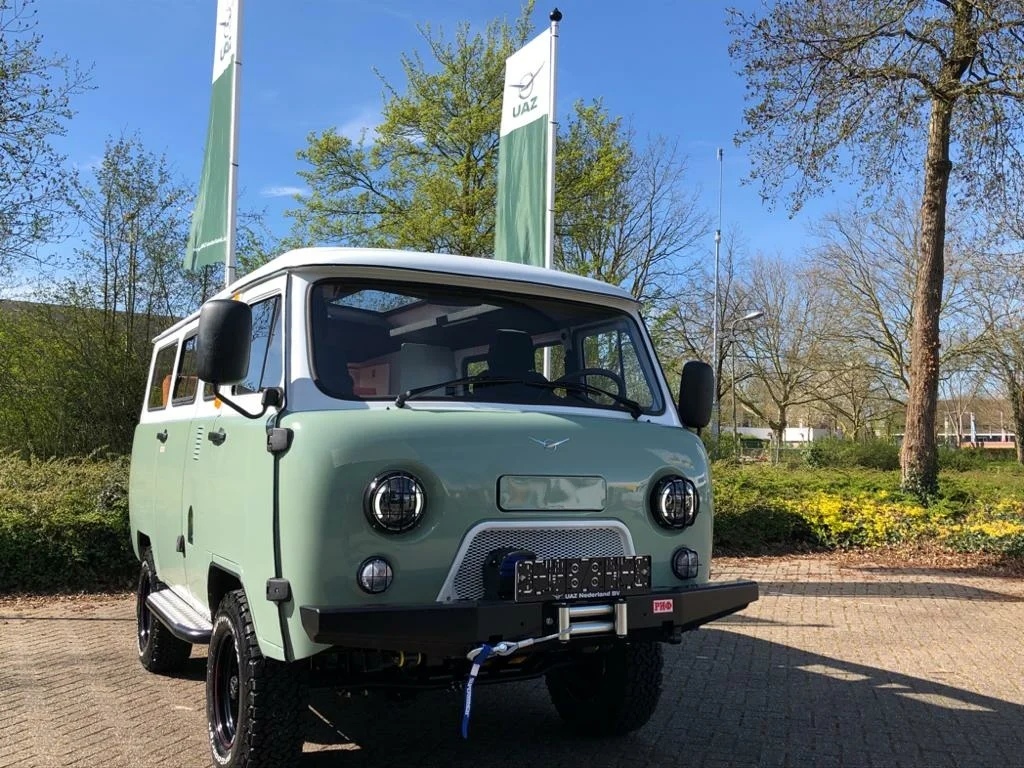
{"x": 373, "y": 469}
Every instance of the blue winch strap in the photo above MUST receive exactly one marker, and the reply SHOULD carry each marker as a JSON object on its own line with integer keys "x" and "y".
{"x": 485, "y": 651}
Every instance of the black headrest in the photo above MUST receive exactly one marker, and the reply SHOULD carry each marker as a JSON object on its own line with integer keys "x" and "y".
{"x": 511, "y": 352}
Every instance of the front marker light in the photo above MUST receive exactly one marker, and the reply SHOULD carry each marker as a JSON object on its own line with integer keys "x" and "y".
{"x": 674, "y": 502}
{"x": 394, "y": 502}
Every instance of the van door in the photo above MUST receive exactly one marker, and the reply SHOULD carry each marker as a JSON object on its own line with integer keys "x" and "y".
{"x": 229, "y": 482}
{"x": 170, "y": 437}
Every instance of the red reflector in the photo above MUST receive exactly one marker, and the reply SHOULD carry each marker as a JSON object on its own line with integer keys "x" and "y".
{"x": 662, "y": 606}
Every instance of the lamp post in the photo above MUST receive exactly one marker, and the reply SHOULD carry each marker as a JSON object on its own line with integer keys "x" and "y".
{"x": 732, "y": 349}
{"x": 716, "y": 421}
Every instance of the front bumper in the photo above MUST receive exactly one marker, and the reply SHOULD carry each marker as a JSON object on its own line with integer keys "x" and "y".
{"x": 452, "y": 628}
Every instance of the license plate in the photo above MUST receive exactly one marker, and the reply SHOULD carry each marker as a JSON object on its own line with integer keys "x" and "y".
{"x": 579, "y": 578}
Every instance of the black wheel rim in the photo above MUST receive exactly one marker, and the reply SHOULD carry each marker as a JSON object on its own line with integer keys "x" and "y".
{"x": 227, "y": 685}
{"x": 143, "y": 616}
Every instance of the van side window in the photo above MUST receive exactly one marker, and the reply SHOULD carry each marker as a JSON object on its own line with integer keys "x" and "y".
{"x": 613, "y": 350}
{"x": 160, "y": 389}
{"x": 265, "y": 350}
{"x": 187, "y": 382}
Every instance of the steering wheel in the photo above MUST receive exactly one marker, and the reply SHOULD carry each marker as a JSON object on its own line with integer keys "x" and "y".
{"x": 583, "y": 373}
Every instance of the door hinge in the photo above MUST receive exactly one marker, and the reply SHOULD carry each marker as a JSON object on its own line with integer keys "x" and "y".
{"x": 278, "y": 590}
{"x": 279, "y": 439}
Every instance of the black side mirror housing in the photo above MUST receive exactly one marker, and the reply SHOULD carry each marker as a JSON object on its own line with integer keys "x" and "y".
{"x": 696, "y": 394}
{"x": 222, "y": 349}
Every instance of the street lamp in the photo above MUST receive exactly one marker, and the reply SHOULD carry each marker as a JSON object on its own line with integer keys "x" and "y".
{"x": 716, "y": 407}
{"x": 732, "y": 349}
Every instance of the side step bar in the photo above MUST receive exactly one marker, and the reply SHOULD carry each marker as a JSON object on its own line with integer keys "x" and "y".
{"x": 183, "y": 621}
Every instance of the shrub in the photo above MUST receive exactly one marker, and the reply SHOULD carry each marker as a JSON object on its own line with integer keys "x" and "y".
{"x": 759, "y": 509}
{"x": 64, "y": 524}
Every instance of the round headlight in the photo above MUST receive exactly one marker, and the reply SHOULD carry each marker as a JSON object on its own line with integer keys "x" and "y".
{"x": 674, "y": 502}
{"x": 395, "y": 502}
{"x": 375, "y": 575}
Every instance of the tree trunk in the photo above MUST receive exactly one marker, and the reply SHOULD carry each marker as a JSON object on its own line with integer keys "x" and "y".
{"x": 918, "y": 456}
{"x": 1016, "y": 393}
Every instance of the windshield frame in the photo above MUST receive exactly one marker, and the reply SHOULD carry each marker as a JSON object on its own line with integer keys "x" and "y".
{"x": 619, "y": 316}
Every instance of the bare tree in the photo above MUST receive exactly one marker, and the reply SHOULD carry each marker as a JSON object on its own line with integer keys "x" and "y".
{"x": 885, "y": 86}
{"x": 870, "y": 261}
{"x": 685, "y": 333}
{"x": 999, "y": 305}
{"x": 851, "y": 391}
{"x": 35, "y": 105}
{"x": 786, "y": 349}
{"x": 634, "y": 225}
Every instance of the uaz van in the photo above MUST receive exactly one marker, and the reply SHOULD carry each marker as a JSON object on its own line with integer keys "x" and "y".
{"x": 383, "y": 470}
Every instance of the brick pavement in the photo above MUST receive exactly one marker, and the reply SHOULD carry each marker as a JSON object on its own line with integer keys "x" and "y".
{"x": 838, "y": 664}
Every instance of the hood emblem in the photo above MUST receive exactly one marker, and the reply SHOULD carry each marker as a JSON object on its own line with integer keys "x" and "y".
{"x": 550, "y": 445}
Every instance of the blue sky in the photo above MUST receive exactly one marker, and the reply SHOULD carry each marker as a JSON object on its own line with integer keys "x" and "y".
{"x": 307, "y": 65}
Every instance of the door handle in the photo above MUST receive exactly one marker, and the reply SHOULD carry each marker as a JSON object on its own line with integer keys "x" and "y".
{"x": 217, "y": 436}
{"x": 162, "y": 436}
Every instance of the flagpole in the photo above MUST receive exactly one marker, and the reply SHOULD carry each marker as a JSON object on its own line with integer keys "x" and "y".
{"x": 549, "y": 225}
{"x": 232, "y": 217}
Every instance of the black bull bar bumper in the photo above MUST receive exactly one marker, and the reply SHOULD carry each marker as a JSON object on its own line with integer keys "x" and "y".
{"x": 452, "y": 628}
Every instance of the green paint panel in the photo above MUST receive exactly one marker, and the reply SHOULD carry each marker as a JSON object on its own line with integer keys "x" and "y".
{"x": 532, "y": 493}
{"x": 459, "y": 457}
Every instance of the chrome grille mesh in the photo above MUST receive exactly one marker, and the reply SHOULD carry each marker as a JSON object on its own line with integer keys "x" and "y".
{"x": 465, "y": 581}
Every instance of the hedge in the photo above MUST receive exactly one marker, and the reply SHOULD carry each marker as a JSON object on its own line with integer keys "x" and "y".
{"x": 760, "y": 509}
{"x": 64, "y": 525}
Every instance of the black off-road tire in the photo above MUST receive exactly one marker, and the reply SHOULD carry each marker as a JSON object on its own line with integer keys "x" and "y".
{"x": 609, "y": 693}
{"x": 253, "y": 704}
{"x": 159, "y": 650}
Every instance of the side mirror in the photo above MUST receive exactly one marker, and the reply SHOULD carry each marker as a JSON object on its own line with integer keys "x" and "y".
{"x": 222, "y": 349}
{"x": 696, "y": 394}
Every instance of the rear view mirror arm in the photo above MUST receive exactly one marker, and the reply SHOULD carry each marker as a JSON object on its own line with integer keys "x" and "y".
{"x": 271, "y": 397}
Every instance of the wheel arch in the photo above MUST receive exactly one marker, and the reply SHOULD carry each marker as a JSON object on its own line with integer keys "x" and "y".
{"x": 219, "y": 582}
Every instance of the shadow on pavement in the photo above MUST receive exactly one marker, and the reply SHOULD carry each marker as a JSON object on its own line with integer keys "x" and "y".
{"x": 728, "y": 700}
{"x": 915, "y": 589}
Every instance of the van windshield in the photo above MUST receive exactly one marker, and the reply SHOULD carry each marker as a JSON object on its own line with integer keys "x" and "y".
{"x": 379, "y": 340}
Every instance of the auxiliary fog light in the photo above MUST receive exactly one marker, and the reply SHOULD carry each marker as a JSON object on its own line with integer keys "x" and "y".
{"x": 375, "y": 575}
{"x": 685, "y": 563}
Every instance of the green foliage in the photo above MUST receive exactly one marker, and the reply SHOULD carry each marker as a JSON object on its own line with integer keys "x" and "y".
{"x": 765, "y": 508}
{"x": 426, "y": 178}
{"x": 64, "y": 524}
{"x": 871, "y": 454}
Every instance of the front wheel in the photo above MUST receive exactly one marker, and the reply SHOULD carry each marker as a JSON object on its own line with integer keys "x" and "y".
{"x": 252, "y": 703}
{"x": 609, "y": 693}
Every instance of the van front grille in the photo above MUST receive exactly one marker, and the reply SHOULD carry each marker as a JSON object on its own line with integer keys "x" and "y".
{"x": 545, "y": 540}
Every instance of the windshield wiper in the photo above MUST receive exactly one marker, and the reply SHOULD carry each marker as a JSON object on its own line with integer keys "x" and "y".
{"x": 634, "y": 408}
{"x": 409, "y": 394}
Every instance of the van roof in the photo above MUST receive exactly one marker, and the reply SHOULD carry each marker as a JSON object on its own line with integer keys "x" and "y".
{"x": 427, "y": 262}
{"x": 421, "y": 262}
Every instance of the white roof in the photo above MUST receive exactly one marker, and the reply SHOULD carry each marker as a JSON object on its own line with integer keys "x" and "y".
{"x": 427, "y": 262}
{"x": 469, "y": 266}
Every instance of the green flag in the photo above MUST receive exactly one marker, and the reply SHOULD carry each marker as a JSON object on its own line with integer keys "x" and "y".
{"x": 211, "y": 237}
{"x": 520, "y": 234}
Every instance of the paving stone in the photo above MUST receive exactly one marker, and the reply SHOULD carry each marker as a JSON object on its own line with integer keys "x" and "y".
{"x": 836, "y": 665}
